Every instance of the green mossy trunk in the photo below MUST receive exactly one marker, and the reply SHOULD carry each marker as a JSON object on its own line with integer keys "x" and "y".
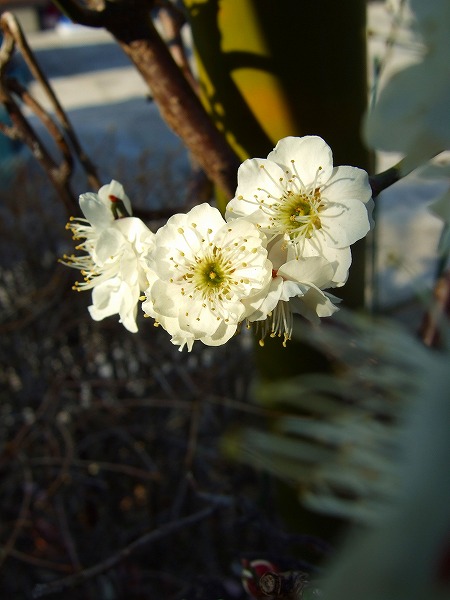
{"x": 272, "y": 68}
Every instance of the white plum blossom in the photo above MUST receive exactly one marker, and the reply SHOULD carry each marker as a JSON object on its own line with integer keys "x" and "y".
{"x": 296, "y": 193}
{"x": 203, "y": 269}
{"x": 116, "y": 247}
{"x": 297, "y": 287}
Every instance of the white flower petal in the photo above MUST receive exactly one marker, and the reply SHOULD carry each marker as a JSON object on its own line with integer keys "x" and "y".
{"x": 348, "y": 182}
{"x": 112, "y": 192}
{"x": 136, "y": 232}
{"x": 109, "y": 245}
{"x": 310, "y": 153}
{"x": 278, "y": 252}
{"x": 205, "y": 217}
{"x": 114, "y": 297}
{"x": 339, "y": 258}
{"x": 258, "y": 183}
{"x": 313, "y": 305}
{"x": 166, "y": 298}
{"x": 198, "y": 318}
{"x": 263, "y": 303}
{"x": 344, "y": 222}
{"x": 222, "y": 334}
{"x": 312, "y": 270}
{"x": 96, "y": 212}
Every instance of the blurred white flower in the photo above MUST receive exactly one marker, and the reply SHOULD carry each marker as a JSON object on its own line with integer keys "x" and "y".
{"x": 203, "y": 270}
{"x": 407, "y": 554}
{"x": 344, "y": 455}
{"x": 298, "y": 194}
{"x": 441, "y": 208}
{"x": 412, "y": 114}
{"x": 369, "y": 443}
{"x": 116, "y": 247}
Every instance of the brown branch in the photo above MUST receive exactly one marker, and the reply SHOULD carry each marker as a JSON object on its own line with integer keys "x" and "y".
{"x": 80, "y": 14}
{"x": 172, "y": 23}
{"x": 45, "y": 589}
{"x": 385, "y": 179}
{"x": 23, "y": 131}
{"x": 64, "y": 170}
{"x": 130, "y": 23}
{"x": 381, "y": 181}
{"x": 179, "y": 105}
{"x": 15, "y": 34}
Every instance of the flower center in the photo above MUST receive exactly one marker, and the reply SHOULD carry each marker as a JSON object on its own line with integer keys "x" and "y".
{"x": 211, "y": 275}
{"x": 299, "y": 213}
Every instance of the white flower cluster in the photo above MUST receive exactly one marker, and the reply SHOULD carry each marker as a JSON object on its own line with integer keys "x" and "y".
{"x": 117, "y": 245}
{"x": 285, "y": 239}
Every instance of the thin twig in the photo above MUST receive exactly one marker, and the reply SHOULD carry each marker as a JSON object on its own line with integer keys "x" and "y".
{"x": 93, "y": 467}
{"x": 42, "y": 563}
{"x": 21, "y": 519}
{"x": 194, "y": 425}
{"x": 66, "y": 461}
{"x": 44, "y": 589}
{"x": 64, "y": 170}
{"x": 21, "y": 129}
{"x": 13, "y": 26}
{"x": 66, "y": 534}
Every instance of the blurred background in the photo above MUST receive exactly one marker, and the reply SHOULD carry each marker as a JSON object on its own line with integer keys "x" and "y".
{"x": 106, "y": 436}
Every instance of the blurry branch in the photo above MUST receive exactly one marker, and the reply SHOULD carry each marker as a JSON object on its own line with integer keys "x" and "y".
{"x": 65, "y": 140}
{"x": 45, "y": 589}
{"x": 66, "y": 535}
{"x": 37, "y": 562}
{"x": 31, "y": 306}
{"x": 67, "y": 458}
{"x": 131, "y": 25}
{"x": 21, "y": 519}
{"x": 91, "y": 465}
{"x": 381, "y": 181}
{"x": 80, "y": 14}
{"x": 438, "y": 315}
{"x": 385, "y": 179}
